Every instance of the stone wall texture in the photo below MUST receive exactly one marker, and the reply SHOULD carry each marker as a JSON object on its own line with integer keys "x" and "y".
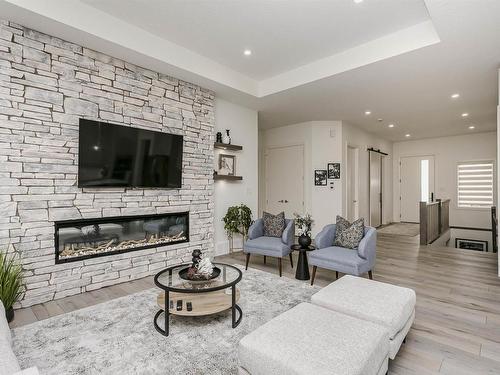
{"x": 46, "y": 86}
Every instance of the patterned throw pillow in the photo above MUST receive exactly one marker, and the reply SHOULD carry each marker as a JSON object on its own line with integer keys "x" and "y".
{"x": 349, "y": 235}
{"x": 341, "y": 225}
{"x": 274, "y": 225}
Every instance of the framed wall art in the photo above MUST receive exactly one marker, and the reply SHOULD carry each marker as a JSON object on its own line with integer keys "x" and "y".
{"x": 227, "y": 165}
{"x": 333, "y": 171}
{"x": 320, "y": 177}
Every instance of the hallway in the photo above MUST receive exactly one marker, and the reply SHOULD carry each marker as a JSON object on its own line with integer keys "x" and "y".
{"x": 400, "y": 229}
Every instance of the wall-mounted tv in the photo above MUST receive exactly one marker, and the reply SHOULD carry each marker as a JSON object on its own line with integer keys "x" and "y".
{"x": 116, "y": 155}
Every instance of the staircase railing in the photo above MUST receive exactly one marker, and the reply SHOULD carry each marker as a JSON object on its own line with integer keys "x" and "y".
{"x": 494, "y": 228}
{"x": 434, "y": 220}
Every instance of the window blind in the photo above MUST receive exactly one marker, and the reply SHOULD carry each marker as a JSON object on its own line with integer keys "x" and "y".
{"x": 475, "y": 184}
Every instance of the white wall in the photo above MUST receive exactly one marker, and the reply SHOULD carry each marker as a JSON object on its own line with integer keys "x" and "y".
{"x": 322, "y": 141}
{"x": 355, "y": 137}
{"x": 244, "y": 131}
{"x": 326, "y": 201}
{"x": 498, "y": 152}
{"x": 448, "y": 151}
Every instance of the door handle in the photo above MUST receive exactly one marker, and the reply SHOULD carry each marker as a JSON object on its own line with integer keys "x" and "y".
{"x": 286, "y": 201}
{"x": 281, "y": 201}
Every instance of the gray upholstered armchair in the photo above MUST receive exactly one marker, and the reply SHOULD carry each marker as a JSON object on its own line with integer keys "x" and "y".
{"x": 276, "y": 247}
{"x": 339, "y": 259}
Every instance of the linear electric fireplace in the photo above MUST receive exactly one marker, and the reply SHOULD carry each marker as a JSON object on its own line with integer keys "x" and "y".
{"x": 88, "y": 238}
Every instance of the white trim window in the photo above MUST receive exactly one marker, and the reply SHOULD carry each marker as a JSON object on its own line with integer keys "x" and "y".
{"x": 475, "y": 184}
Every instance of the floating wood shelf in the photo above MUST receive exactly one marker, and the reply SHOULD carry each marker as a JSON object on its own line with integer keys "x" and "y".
{"x": 227, "y": 178}
{"x": 224, "y": 146}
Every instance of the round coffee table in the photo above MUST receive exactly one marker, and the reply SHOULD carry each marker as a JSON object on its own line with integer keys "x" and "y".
{"x": 204, "y": 297}
{"x": 302, "y": 271}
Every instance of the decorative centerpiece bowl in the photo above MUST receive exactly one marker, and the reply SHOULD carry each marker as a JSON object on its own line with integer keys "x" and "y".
{"x": 201, "y": 269}
{"x": 188, "y": 274}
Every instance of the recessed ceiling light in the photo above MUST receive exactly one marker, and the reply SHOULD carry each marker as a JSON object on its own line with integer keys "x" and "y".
{"x": 358, "y": 1}
{"x": 368, "y": 113}
{"x": 407, "y": 135}
{"x": 247, "y": 52}
{"x": 465, "y": 114}
{"x": 454, "y": 96}
{"x": 390, "y": 125}
{"x": 472, "y": 127}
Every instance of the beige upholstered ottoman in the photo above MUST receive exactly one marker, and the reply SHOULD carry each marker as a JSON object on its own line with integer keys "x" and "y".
{"x": 391, "y": 306}
{"x": 309, "y": 339}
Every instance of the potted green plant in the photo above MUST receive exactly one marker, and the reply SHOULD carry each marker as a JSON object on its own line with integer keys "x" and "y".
{"x": 237, "y": 221}
{"x": 245, "y": 219}
{"x": 11, "y": 277}
{"x": 304, "y": 224}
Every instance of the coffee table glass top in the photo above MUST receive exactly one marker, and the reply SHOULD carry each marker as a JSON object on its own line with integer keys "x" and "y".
{"x": 169, "y": 279}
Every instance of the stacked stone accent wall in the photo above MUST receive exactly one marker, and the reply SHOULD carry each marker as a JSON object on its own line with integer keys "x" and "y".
{"x": 46, "y": 86}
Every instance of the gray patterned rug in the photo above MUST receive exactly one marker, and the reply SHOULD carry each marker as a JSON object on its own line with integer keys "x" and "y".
{"x": 118, "y": 337}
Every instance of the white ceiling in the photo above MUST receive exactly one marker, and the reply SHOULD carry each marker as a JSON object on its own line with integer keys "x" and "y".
{"x": 312, "y": 60}
{"x": 412, "y": 90}
{"x": 283, "y": 35}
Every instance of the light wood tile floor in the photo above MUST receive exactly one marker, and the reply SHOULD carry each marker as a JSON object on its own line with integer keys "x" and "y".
{"x": 457, "y": 326}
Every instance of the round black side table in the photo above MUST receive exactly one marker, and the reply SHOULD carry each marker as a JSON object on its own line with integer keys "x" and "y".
{"x": 302, "y": 271}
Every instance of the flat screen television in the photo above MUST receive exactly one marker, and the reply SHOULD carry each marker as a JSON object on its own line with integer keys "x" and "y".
{"x": 116, "y": 155}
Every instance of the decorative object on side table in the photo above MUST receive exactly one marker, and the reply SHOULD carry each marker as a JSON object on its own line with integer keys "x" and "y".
{"x": 11, "y": 278}
{"x": 227, "y": 165}
{"x": 333, "y": 171}
{"x": 304, "y": 224}
{"x": 237, "y": 221}
{"x": 320, "y": 177}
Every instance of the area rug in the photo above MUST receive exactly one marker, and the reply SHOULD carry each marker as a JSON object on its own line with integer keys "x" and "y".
{"x": 118, "y": 337}
{"x": 401, "y": 229}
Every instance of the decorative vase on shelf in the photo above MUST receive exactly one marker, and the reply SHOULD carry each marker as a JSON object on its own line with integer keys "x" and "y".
{"x": 218, "y": 138}
{"x": 226, "y": 139}
{"x": 304, "y": 241}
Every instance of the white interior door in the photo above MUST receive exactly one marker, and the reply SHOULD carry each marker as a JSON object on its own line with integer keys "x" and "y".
{"x": 285, "y": 180}
{"x": 416, "y": 185}
{"x": 352, "y": 183}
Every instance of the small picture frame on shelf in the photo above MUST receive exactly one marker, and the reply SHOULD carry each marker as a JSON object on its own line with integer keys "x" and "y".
{"x": 333, "y": 171}
{"x": 227, "y": 165}
{"x": 320, "y": 177}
